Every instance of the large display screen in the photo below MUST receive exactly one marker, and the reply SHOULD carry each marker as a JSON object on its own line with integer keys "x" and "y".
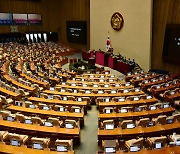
{"x": 171, "y": 49}
{"x": 34, "y": 19}
{"x": 76, "y": 31}
{"x": 20, "y": 19}
{"x": 5, "y": 19}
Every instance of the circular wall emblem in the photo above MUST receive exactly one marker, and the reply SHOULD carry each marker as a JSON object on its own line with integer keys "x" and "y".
{"x": 117, "y": 21}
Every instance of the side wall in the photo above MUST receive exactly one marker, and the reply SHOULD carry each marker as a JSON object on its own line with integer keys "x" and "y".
{"x": 134, "y": 40}
{"x": 165, "y": 12}
{"x": 54, "y": 15}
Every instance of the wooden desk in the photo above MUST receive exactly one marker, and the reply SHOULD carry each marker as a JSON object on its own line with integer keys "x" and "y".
{"x": 172, "y": 97}
{"x": 119, "y": 133}
{"x": 16, "y": 83}
{"x": 136, "y": 115}
{"x": 149, "y": 84}
{"x": 165, "y": 150}
{"x": 43, "y": 84}
{"x": 156, "y": 92}
{"x": 12, "y": 94}
{"x": 42, "y": 131}
{"x": 92, "y": 94}
{"x": 9, "y": 149}
{"x": 49, "y": 113}
{"x": 90, "y": 82}
{"x": 50, "y": 78}
{"x": 94, "y": 88}
{"x": 128, "y": 103}
{"x": 60, "y": 102}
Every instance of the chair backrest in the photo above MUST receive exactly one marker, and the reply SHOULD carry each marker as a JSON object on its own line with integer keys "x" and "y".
{"x": 161, "y": 120}
{"x": 17, "y": 140}
{"x": 108, "y": 122}
{"x": 59, "y": 108}
{"x": 70, "y": 123}
{"x": 3, "y": 135}
{"x": 3, "y": 99}
{"x": 108, "y": 110}
{"x": 5, "y": 114}
{"x": 125, "y": 109}
{"x": 100, "y": 99}
{"x": 55, "y": 121}
{"x": 75, "y": 109}
{"x": 67, "y": 144}
{"x": 57, "y": 97}
{"x": 37, "y": 120}
{"x": 72, "y": 98}
{"x": 143, "y": 122}
{"x": 20, "y": 117}
{"x": 38, "y": 143}
{"x": 126, "y": 124}
{"x": 154, "y": 141}
{"x": 177, "y": 117}
{"x": 135, "y": 142}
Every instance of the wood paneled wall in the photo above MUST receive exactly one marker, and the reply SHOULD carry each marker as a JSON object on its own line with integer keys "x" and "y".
{"x": 75, "y": 10}
{"x": 164, "y": 12}
{"x": 54, "y": 15}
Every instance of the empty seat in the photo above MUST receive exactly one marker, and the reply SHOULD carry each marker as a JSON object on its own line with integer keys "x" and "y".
{"x": 64, "y": 145}
{"x": 108, "y": 110}
{"x": 17, "y": 140}
{"x": 57, "y": 97}
{"x": 40, "y": 143}
{"x": 55, "y": 121}
{"x": 6, "y": 101}
{"x": 108, "y": 124}
{"x": 110, "y": 146}
{"x": 174, "y": 139}
{"x": 176, "y": 117}
{"x": 143, "y": 122}
{"x": 37, "y": 120}
{"x": 71, "y": 124}
{"x": 23, "y": 93}
{"x": 160, "y": 120}
{"x": 76, "y": 109}
{"x": 134, "y": 145}
{"x": 127, "y": 124}
{"x": 20, "y": 117}
{"x": 5, "y": 114}
{"x": 157, "y": 142}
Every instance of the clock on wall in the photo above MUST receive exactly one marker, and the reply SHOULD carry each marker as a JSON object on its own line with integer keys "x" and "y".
{"x": 117, "y": 21}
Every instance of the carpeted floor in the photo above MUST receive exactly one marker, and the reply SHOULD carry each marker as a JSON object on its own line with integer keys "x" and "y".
{"x": 89, "y": 133}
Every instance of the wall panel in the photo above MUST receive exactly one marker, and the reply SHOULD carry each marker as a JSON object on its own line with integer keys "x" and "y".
{"x": 54, "y": 15}
{"x": 164, "y": 12}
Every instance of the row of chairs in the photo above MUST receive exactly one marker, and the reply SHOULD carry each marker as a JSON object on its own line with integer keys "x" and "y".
{"x": 141, "y": 74}
{"x": 14, "y": 89}
{"x": 144, "y": 122}
{"x": 28, "y": 83}
{"x": 95, "y": 85}
{"x": 165, "y": 86}
{"x": 43, "y": 106}
{"x": 49, "y": 122}
{"x": 65, "y": 98}
{"x": 126, "y": 109}
{"x": 135, "y": 145}
{"x": 101, "y": 91}
{"x": 145, "y": 84}
{"x": 170, "y": 93}
{"x": 35, "y": 143}
{"x": 124, "y": 99}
